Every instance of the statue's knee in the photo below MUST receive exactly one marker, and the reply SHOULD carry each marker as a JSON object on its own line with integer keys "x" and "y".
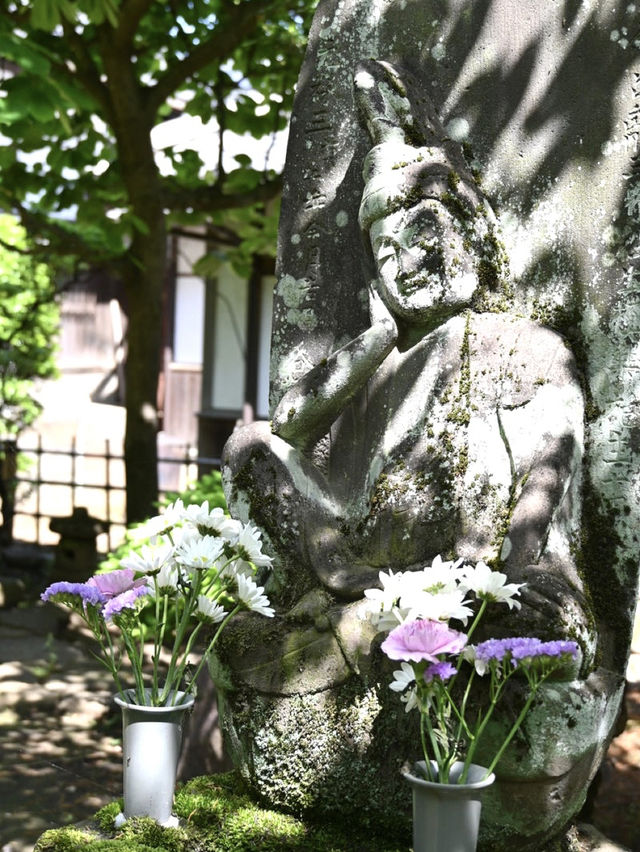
{"x": 244, "y": 444}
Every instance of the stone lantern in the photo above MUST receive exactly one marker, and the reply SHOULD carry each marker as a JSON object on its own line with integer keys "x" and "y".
{"x": 76, "y": 554}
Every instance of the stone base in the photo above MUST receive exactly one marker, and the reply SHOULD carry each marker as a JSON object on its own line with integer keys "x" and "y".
{"x": 592, "y": 840}
{"x": 216, "y": 806}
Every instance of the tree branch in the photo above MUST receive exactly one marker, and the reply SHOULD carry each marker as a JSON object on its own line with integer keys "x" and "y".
{"x": 212, "y": 198}
{"x": 130, "y": 14}
{"x": 5, "y": 245}
{"x": 228, "y": 34}
{"x": 214, "y": 233}
{"x": 87, "y": 73}
{"x": 61, "y": 242}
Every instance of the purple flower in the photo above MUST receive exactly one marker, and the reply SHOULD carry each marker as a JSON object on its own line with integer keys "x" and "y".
{"x": 115, "y": 582}
{"x": 521, "y": 648}
{"x": 498, "y": 649}
{"x": 442, "y": 671}
{"x": 558, "y": 648}
{"x": 422, "y": 640}
{"x": 61, "y": 591}
{"x": 126, "y": 600}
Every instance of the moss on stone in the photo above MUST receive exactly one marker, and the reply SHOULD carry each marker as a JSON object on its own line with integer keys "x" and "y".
{"x": 457, "y": 206}
{"x": 495, "y": 291}
{"x": 453, "y": 180}
{"x": 216, "y": 815}
{"x": 611, "y": 599}
{"x": 107, "y": 815}
{"x": 65, "y": 840}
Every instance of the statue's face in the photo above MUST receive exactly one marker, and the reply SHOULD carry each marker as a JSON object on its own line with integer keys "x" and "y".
{"x": 425, "y": 265}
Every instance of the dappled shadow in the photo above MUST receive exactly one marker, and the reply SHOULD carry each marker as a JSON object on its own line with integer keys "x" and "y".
{"x": 575, "y": 99}
{"x": 60, "y": 757}
{"x": 547, "y": 96}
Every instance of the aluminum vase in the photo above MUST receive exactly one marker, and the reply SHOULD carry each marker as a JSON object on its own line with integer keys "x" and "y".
{"x": 446, "y": 817}
{"x": 151, "y": 739}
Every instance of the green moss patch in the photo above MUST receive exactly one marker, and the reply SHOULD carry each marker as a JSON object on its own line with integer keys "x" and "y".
{"x": 216, "y": 815}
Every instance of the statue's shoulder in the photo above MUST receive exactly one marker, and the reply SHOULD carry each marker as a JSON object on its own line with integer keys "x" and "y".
{"x": 530, "y": 349}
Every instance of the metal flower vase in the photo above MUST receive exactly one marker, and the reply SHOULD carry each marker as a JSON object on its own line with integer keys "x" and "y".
{"x": 446, "y": 817}
{"x": 151, "y": 739}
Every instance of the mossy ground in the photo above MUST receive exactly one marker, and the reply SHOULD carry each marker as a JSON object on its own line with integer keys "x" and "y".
{"x": 216, "y": 815}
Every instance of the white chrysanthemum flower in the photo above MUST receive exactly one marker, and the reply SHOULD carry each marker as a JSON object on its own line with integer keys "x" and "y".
{"x": 402, "y": 677}
{"x": 384, "y": 599}
{"x": 469, "y": 654}
{"x": 150, "y": 559}
{"x": 249, "y": 547}
{"x": 410, "y": 699}
{"x": 209, "y": 611}
{"x": 491, "y": 585}
{"x": 436, "y": 607}
{"x": 166, "y": 580}
{"x": 198, "y": 553}
{"x": 252, "y": 596}
{"x": 386, "y": 621}
{"x": 160, "y": 524}
{"x": 435, "y": 578}
{"x": 213, "y": 522}
{"x": 432, "y": 592}
{"x": 404, "y": 681}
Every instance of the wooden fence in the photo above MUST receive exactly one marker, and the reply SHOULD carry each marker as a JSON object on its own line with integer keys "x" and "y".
{"x": 51, "y": 482}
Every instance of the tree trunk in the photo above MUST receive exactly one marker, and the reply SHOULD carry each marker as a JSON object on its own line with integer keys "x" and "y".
{"x": 143, "y": 274}
{"x": 8, "y": 470}
{"x": 144, "y": 281}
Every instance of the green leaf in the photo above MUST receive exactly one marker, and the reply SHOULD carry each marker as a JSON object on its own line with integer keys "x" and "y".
{"x": 9, "y": 115}
{"x": 209, "y": 264}
{"x": 45, "y": 14}
{"x": 28, "y": 321}
{"x": 28, "y": 58}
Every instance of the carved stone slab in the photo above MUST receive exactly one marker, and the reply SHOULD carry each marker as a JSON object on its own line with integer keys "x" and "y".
{"x": 547, "y": 98}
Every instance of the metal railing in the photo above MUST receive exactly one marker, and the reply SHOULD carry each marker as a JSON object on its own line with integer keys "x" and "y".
{"x": 51, "y": 482}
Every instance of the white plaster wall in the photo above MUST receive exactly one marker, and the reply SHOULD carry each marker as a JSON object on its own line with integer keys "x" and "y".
{"x": 189, "y": 320}
{"x": 266, "y": 308}
{"x": 230, "y": 336}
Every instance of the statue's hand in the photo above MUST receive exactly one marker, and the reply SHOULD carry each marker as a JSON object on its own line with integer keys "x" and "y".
{"x": 385, "y": 109}
{"x": 379, "y": 313}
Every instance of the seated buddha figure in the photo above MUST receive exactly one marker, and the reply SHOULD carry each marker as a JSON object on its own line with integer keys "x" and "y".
{"x": 449, "y": 426}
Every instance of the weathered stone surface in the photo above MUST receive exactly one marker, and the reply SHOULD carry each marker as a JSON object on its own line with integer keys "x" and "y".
{"x": 428, "y": 399}
{"x": 576, "y": 716}
{"x": 548, "y": 98}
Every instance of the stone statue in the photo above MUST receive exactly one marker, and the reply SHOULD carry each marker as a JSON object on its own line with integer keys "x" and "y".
{"x": 447, "y": 426}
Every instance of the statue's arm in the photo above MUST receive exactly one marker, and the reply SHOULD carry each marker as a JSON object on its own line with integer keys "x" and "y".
{"x": 538, "y": 548}
{"x": 546, "y": 467}
{"x": 307, "y": 410}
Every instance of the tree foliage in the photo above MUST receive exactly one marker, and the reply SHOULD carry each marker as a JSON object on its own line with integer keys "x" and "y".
{"x": 28, "y": 325}
{"x": 93, "y": 72}
{"x": 88, "y": 84}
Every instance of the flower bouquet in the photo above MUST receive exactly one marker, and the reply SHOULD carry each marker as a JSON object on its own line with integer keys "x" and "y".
{"x": 415, "y": 608}
{"x": 197, "y": 572}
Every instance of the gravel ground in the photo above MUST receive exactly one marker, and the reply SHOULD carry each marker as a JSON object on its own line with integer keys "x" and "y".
{"x": 60, "y": 748}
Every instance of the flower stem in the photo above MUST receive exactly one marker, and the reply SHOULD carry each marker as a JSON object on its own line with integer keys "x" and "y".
{"x": 211, "y": 645}
{"x": 534, "y": 689}
{"x": 182, "y": 625}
